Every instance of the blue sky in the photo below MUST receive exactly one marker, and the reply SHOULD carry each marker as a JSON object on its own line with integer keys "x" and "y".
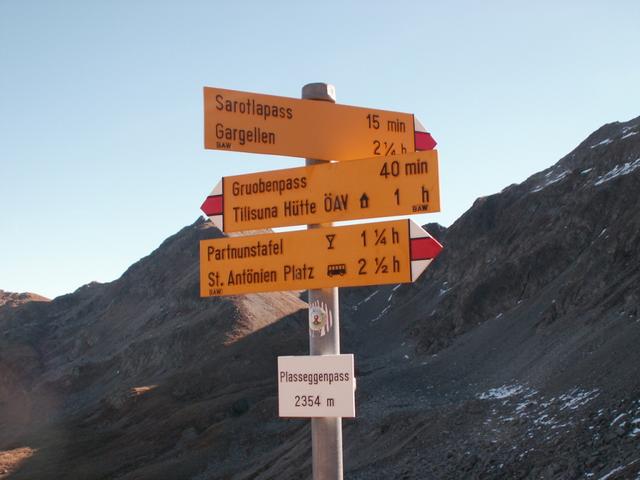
{"x": 101, "y": 144}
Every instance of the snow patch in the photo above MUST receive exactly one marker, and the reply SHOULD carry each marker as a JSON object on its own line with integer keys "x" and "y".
{"x": 577, "y": 398}
{"x": 617, "y": 171}
{"x": 584, "y": 172}
{"x": 544, "y": 420}
{"x": 619, "y": 469}
{"x": 370, "y": 296}
{"x": 523, "y": 405}
{"x": 543, "y": 415}
{"x": 551, "y": 180}
{"x": 612, "y": 472}
{"x": 385, "y": 310}
{"x": 499, "y": 393}
{"x": 355, "y": 307}
{"x": 443, "y": 291}
{"x": 606, "y": 141}
{"x": 628, "y": 135}
{"x": 617, "y": 418}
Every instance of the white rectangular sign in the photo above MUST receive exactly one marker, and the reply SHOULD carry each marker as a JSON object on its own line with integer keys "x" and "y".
{"x": 316, "y": 386}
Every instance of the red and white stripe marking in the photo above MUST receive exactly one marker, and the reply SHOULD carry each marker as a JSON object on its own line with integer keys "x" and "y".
{"x": 423, "y": 249}
{"x": 423, "y": 139}
{"x": 213, "y": 206}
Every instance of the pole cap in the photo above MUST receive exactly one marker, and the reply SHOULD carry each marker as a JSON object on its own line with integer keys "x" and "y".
{"x": 319, "y": 91}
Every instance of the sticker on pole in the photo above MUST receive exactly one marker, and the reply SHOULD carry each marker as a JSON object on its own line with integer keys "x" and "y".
{"x": 320, "y": 319}
{"x": 316, "y": 386}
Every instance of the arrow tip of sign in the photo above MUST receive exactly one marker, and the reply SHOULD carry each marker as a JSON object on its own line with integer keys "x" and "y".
{"x": 424, "y": 248}
{"x": 213, "y": 205}
{"x": 424, "y": 141}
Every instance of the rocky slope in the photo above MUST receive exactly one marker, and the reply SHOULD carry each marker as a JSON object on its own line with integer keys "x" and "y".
{"x": 515, "y": 356}
{"x": 119, "y": 376}
{"x": 520, "y": 344}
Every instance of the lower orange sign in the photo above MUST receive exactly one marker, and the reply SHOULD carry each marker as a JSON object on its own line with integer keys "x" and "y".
{"x": 347, "y": 256}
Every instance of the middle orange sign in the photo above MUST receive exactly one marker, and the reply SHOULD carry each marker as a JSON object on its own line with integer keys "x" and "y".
{"x": 374, "y": 187}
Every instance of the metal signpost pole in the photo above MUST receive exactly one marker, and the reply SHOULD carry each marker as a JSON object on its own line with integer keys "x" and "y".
{"x": 324, "y": 339}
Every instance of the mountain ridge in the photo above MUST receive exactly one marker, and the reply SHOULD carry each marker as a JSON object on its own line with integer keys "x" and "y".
{"x": 13, "y": 299}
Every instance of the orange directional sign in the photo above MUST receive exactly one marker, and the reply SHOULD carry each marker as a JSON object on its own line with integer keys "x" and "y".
{"x": 376, "y": 187}
{"x": 256, "y": 123}
{"x": 353, "y": 255}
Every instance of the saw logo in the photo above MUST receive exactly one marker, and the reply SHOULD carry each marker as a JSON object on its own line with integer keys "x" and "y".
{"x": 317, "y": 318}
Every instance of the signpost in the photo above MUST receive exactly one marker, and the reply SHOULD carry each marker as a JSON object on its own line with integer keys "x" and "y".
{"x": 354, "y": 255}
{"x": 316, "y": 386}
{"x": 375, "y": 187}
{"x": 257, "y": 123}
{"x": 387, "y": 166}
{"x": 324, "y": 338}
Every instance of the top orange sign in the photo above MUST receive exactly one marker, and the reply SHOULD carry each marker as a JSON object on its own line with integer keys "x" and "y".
{"x": 256, "y": 123}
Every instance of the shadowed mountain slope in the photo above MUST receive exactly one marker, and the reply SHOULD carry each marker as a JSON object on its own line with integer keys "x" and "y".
{"x": 514, "y": 356}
